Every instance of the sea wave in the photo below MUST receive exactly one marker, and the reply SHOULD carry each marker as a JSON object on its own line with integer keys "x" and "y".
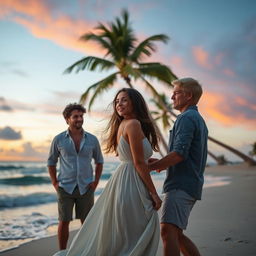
{"x": 16, "y": 200}
{"x": 11, "y": 167}
{"x": 25, "y": 180}
{"x": 26, "y": 226}
{"x": 10, "y": 201}
{"x": 28, "y": 180}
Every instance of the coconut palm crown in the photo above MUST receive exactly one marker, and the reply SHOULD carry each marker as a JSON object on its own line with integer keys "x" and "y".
{"x": 124, "y": 54}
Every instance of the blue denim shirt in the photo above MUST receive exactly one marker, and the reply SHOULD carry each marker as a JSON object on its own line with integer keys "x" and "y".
{"x": 189, "y": 139}
{"x": 75, "y": 169}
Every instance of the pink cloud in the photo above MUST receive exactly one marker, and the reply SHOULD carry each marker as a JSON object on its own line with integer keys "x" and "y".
{"x": 37, "y": 17}
{"x": 201, "y": 57}
{"x": 219, "y": 58}
{"x": 176, "y": 61}
{"x": 229, "y": 72}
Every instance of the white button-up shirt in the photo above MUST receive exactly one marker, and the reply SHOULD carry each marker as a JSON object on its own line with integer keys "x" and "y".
{"x": 75, "y": 168}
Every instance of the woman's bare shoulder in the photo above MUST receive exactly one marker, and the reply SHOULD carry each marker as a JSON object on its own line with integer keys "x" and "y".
{"x": 133, "y": 122}
{"x": 133, "y": 128}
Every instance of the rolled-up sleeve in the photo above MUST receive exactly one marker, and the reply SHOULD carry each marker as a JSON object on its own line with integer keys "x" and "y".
{"x": 184, "y": 131}
{"x": 53, "y": 154}
{"x": 97, "y": 154}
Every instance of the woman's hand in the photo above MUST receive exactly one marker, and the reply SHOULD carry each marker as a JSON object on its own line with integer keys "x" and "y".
{"x": 157, "y": 202}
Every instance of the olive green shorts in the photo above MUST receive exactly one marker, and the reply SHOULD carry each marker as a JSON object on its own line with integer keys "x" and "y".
{"x": 83, "y": 204}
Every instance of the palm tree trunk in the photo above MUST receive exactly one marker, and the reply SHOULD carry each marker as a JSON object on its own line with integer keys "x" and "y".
{"x": 246, "y": 158}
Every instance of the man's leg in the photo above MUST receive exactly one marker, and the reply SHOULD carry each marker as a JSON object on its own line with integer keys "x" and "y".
{"x": 187, "y": 247}
{"x": 65, "y": 209}
{"x": 63, "y": 233}
{"x": 84, "y": 203}
{"x": 170, "y": 236}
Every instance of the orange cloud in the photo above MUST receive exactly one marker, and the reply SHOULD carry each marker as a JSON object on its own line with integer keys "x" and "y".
{"x": 37, "y": 17}
{"x": 201, "y": 57}
{"x": 214, "y": 106}
{"x": 23, "y": 151}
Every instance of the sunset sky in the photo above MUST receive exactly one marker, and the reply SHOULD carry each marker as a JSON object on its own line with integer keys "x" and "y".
{"x": 212, "y": 41}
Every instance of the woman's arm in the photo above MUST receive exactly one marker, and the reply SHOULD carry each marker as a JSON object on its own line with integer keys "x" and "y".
{"x": 134, "y": 134}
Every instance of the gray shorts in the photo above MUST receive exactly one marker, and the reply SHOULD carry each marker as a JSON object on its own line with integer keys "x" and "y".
{"x": 83, "y": 204}
{"x": 176, "y": 208}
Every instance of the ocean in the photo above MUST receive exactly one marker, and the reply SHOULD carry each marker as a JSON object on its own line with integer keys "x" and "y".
{"x": 28, "y": 203}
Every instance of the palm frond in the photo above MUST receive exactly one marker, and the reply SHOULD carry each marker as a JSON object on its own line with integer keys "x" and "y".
{"x": 98, "y": 88}
{"x": 90, "y": 63}
{"x": 100, "y": 40}
{"x": 157, "y": 70}
{"x": 147, "y": 47}
{"x": 130, "y": 71}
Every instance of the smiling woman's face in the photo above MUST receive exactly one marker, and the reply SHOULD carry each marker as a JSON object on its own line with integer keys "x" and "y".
{"x": 123, "y": 105}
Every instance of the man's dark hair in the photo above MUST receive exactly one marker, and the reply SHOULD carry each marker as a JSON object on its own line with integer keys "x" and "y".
{"x": 70, "y": 107}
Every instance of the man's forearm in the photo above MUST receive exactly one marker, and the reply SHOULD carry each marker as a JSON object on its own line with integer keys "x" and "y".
{"x": 98, "y": 171}
{"x": 53, "y": 171}
{"x": 169, "y": 160}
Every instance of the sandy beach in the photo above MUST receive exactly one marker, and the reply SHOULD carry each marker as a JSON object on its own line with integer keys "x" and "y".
{"x": 223, "y": 223}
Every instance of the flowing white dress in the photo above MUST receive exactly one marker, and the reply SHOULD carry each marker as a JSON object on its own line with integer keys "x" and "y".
{"x": 122, "y": 222}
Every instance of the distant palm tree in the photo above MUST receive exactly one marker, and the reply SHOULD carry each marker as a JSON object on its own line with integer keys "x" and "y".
{"x": 253, "y": 151}
{"x": 161, "y": 114}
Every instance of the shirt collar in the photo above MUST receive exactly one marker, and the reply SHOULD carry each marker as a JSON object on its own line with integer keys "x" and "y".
{"x": 67, "y": 133}
{"x": 194, "y": 107}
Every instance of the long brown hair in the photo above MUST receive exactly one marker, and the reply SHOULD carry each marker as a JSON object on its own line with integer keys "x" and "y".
{"x": 142, "y": 115}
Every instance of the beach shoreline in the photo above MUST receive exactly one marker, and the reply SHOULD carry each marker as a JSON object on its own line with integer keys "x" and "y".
{"x": 221, "y": 224}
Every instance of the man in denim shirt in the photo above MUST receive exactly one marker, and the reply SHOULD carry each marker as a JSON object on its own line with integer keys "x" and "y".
{"x": 75, "y": 184}
{"x": 186, "y": 163}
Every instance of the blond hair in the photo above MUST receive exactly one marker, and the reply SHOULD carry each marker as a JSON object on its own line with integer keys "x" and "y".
{"x": 190, "y": 85}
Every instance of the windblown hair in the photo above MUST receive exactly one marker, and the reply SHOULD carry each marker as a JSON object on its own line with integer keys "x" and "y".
{"x": 142, "y": 115}
{"x": 70, "y": 107}
{"x": 190, "y": 85}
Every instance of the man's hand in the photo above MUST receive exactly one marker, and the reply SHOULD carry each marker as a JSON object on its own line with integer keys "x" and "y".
{"x": 152, "y": 160}
{"x": 56, "y": 185}
{"x": 94, "y": 185}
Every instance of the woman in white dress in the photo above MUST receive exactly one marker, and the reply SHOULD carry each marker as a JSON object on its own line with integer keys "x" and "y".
{"x": 124, "y": 219}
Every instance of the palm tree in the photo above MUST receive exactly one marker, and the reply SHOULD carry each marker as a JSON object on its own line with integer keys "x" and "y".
{"x": 253, "y": 151}
{"x": 125, "y": 55}
{"x": 122, "y": 53}
{"x": 221, "y": 160}
{"x": 161, "y": 114}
